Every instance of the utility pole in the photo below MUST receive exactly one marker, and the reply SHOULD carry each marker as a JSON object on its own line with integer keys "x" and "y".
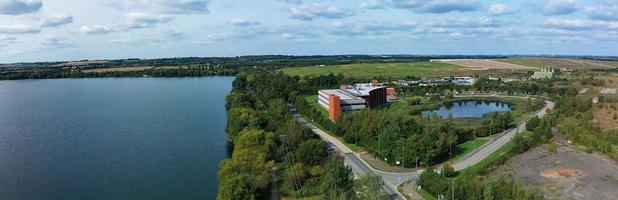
{"x": 402, "y": 154}
{"x": 453, "y": 190}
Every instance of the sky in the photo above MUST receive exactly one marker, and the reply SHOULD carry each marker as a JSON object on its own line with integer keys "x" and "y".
{"x": 58, "y": 30}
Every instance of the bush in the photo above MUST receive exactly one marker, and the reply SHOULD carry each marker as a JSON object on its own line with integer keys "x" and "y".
{"x": 533, "y": 123}
{"x": 311, "y": 152}
{"x": 433, "y": 182}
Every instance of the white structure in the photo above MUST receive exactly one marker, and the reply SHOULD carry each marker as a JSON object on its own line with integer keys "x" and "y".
{"x": 546, "y": 72}
{"x": 348, "y": 100}
{"x": 461, "y": 80}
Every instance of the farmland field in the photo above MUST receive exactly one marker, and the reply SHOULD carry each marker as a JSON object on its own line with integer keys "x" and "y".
{"x": 118, "y": 69}
{"x": 484, "y": 64}
{"x": 421, "y": 69}
{"x": 562, "y": 63}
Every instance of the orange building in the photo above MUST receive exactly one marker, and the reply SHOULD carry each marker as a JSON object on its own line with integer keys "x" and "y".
{"x": 334, "y": 107}
{"x": 356, "y": 97}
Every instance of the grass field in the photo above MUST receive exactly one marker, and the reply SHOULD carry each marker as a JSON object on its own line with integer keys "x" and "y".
{"x": 312, "y": 101}
{"x": 491, "y": 160}
{"x": 421, "y": 69}
{"x": 562, "y": 63}
{"x": 484, "y": 64}
{"x": 468, "y": 147}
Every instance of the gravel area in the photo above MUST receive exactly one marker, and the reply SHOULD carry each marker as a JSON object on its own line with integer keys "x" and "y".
{"x": 565, "y": 173}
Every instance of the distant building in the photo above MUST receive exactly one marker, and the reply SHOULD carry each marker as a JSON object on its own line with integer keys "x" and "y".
{"x": 583, "y": 91}
{"x": 595, "y": 99}
{"x": 546, "y": 72}
{"x": 353, "y": 97}
{"x": 609, "y": 94}
{"x": 460, "y": 80}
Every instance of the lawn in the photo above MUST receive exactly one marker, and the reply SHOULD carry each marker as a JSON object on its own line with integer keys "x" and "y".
{"x": 312, "y": 101}
{"x": 420, "y": 69}
{"x": 468, "y": 147}
{"x": 490, "y": 161}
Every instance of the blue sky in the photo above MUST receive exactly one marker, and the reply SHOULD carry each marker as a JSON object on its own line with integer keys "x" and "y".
{"x": 52, "y": 30}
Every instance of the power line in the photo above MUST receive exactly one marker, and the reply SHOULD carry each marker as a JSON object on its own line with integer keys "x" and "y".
{"x": 297, "y": 181}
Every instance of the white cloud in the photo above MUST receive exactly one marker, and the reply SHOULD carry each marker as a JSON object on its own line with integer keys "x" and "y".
{"x": 5, "y": 41}
{"x": 607, "y": 12}
{"x": 436, "y": 6}
{"x": 292, "y": 1}
{"x": 243, "y": 22}
{"x": 315, "y": 11}
{"x": 160, "y": 38}
{"x": 559, "y": 7}
{"x": 466, "y": 22}
{"x": 144, "y": 20}
{"x": 132, "y": 21}
{"x": 500, "y": 9}
{"x": 56, "y": 20}
{"x": 19, "y": 7}
{"x": 164, "y": 6}
{"x": 212, "y": 38}
{"x": 55, "y": 42}
{"x": 96, "y": 29}
{"x": 372, "y": 4}
{"x": 574, "y": 24}
{"x": 19, "y": 29}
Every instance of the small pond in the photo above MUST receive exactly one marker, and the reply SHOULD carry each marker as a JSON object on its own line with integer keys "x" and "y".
{"x": 468, "y": 109}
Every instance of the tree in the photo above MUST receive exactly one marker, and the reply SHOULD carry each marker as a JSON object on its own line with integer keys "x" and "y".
{"x": 244, "y": 176}
{"x": 533, "y": 123}
{"x": 488, "y": 193}
{"x": 369, "y": 188}
{"x": 433, "y": 182}
{"x": 311, "y": 152}
{"x": 337, "y": 183}
{"x": 448, "y": 170}
{"x": 448, "y": 94}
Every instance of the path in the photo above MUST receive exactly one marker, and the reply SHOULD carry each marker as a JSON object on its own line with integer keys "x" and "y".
{"x": 392, "y": 180}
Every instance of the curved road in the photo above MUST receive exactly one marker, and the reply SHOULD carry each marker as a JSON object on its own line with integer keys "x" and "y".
{"x": 392, "y": 180}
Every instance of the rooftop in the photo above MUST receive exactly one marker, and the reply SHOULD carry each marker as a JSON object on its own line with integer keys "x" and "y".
{"x": 343, "y": 95}
{"x": 608, "y": 91}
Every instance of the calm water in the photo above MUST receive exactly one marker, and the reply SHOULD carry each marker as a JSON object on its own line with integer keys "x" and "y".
{"x": 112, "y": 138}
{"x": 468, "y": 109}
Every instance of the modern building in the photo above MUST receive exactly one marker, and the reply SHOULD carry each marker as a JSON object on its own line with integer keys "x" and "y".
{"x": 609, "y": 94}
{"x": 352, "y": 97}
{"x": 463, "y": 80}
{"x": 546, "y": 72}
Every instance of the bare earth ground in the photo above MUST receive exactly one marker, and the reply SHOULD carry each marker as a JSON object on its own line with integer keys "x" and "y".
{"x": 118, "y": 69}
{"x": 484, "y": 64}
{"x": 565, "y": 174}
{"x": 562, "y": 63}
{"x": 604, "y": 115}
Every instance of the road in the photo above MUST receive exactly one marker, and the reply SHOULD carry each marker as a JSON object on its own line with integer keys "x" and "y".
{"x": 393, "y": 180}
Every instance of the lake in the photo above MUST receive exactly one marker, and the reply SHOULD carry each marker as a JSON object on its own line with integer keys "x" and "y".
{"x": 125, "y": 138}
{"x": 468, "y": 109}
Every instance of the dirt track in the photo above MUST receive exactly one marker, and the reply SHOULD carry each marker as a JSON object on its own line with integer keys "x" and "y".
{"x": 565, "y": 174}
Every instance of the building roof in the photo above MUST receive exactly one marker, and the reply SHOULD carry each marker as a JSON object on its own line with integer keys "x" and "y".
{"x": 343, "y": 95}
{"x": 608, "y": 91}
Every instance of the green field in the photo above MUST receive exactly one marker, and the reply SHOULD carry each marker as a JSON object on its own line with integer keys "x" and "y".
{"x": 490, "y": 161}
{"x": 420, "y": 69}
{"x": 312, "y": 101}
{"x": 466, "y": 148}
